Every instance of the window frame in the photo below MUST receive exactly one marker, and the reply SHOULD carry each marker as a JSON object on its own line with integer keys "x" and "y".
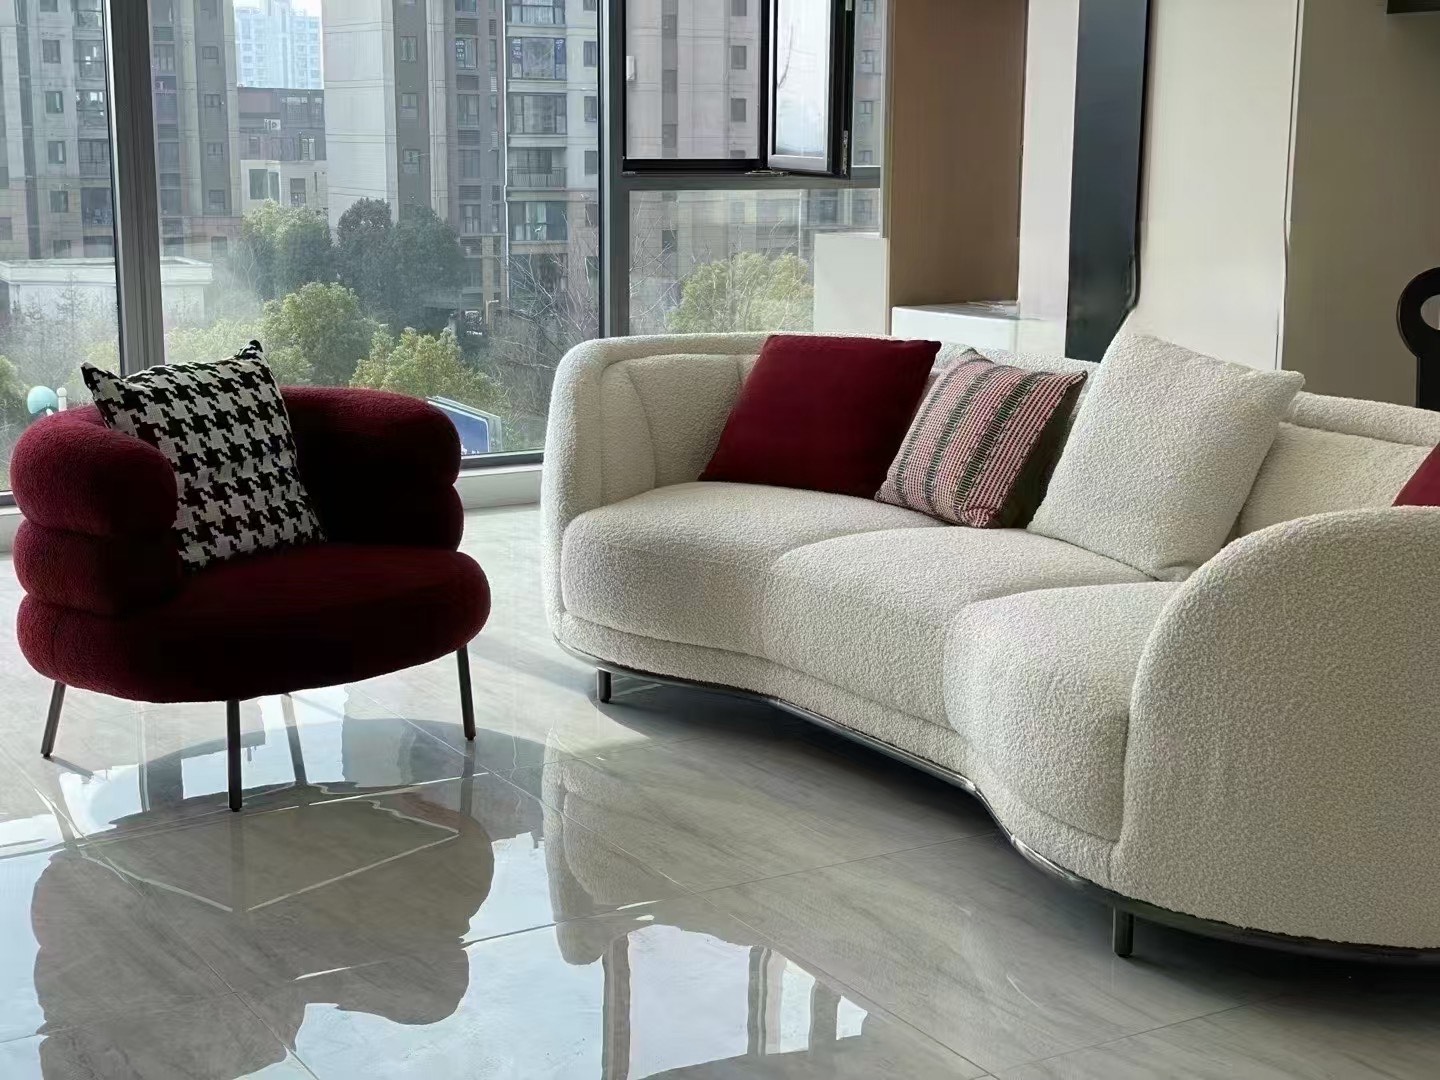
{"x": 835, "y": 163}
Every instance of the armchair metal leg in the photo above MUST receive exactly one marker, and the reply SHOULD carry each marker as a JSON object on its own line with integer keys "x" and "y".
{"x": 232, "y": 752}
{"x": 52, "y": 720}
{"x": 602, "y": 685}
{"x": 1122, "y": 932}
{"x": 467, "y": 698}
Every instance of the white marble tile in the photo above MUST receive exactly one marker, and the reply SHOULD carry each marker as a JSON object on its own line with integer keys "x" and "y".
{"x": 277, "y": 895}
{"x": 122, "y": 767}
{"x": 78, "y": 943}
{"x": 28, "y": 822}
{"x": 968, "y": 943}
{"x": 1363, "y": 1034}
{"x": 729, "y": 808}
{"x": 216, "y": 1039}
{"x": 668, "y": 989}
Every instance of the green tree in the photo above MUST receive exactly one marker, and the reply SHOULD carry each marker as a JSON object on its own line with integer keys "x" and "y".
{"x": 408, "y": 273}
{"x": 424, "y": 366}
{"x": 226, "y": 337}
{"x": 13, "y": 415}
{"x": 282, "y": 248}
{"x": 318, "y": 332}
{"x": 746, "y": 292}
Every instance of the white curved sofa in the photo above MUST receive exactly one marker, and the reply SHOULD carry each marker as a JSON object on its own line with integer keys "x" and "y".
{"x": 1252, "y": 751}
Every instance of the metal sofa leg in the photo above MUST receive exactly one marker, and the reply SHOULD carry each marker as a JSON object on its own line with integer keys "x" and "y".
{"x": 467, "y": 699}
{"x": 1122, "y": 932}
{"x": 52, "y": 720}
{"x": 602, "y": 685}
{"x": 232, "y": 752}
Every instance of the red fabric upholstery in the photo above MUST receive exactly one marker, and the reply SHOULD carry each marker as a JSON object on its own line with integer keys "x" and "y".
{"x": 1423, "y": 489}
{"x": 823, "y": 413}
{"x": 268, "y": 624}
{"x": 105, "y": 575}
{"x": 109, "y": 608}
{"x": 69, "y": 471}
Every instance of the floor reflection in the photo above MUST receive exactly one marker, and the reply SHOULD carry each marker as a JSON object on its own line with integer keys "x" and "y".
{"x": 457, "y": 926}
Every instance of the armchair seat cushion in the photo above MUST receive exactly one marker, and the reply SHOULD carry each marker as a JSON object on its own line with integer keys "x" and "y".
{"x": 269, "y": 623}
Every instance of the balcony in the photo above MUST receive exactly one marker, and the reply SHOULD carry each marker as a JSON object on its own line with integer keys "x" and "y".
{"x": 538, "y": 231}
{"x": 94, "y": 168}
{"x": 553, "y": 178}
{"x": 537, "y": 14}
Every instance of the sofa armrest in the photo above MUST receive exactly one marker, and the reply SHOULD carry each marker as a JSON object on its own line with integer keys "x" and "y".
{"x": 1283, "y": 765}
{"x": 628, "y": 415}
{"x": 379, "y": 467}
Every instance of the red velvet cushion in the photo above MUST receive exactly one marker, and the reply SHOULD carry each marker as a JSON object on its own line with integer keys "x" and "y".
{"x": 1423, "y": 489}
{"x": 267, "y": 624}
{"x": 823, "y": 413}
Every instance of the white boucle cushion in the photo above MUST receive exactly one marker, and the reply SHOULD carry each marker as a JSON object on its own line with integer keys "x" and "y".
{"x": 1161, "y": 457}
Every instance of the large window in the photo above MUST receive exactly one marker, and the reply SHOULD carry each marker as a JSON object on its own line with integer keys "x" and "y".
{"x": 445, "y": 241}
{"x": 57, "y": 268}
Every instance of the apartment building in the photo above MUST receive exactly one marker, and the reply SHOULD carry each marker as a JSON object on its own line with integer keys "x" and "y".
{"x": 282, "y": 148}
{"x": 276, "y": 45}
{"x": 413, "y": 92}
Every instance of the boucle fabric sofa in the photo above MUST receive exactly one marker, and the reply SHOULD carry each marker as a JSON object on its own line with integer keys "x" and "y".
{"x": 1253, "y": 751}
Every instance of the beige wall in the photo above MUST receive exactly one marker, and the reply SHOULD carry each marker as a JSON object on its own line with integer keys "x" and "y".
{"x": 1216, "y": 175}
{"x": 1365, "y": 210}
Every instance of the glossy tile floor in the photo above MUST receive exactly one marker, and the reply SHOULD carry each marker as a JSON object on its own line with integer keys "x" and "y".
{"x": 673, "y": 885}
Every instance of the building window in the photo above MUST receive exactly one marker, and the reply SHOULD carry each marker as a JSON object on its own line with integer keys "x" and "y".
{"x": 169, "y": 200}
{"x": 409, "y": 106}
{"x": 737, "y": 110}
{"x": 468, "y": 6}
{"x": 213, "y": 101}
{"x": 410, "y": 161}
{"x": 87, "y": 13}
{"x": 865, "y": 157}
{"x": 59, "y": 202}
{"x": 867, "y": 7}
{"x": 297, "y": 191}
{"x": 669, "y": 81}
{"x": 739, "y": 57}
{"x": 95, "y": 206}
{"x": 95, "y": 156}
{"x": 219, "y": 247}
{"x": 99, "y": 247}
{"x": 407, "y": 47}
{"x": 90, "y": 59}
{"x": 538, "y": 14}
{"x": 867, "y": 60}
{"x": 210, "y": 53}
{"x": 537, "y": 114}
{"x": 90, "y": 106}
{"x": 669, "y": 242}
{"x": 7, "y": 229}
{"x": 538, "y": 221}
{"x": 592, "y": 162}
{"x": 866, "y": 108}
{"x": 537, "y": 58}
{"x": 257, "y": 184}
{"x": 54, "y": 101}
{"x": 217, "y": 201}
{"x": 307, "y": 147}
{"x": 55, "y": 152}
{"x": 60, "y": 249}
{"x": 466, "y": 53}
{"x": 214, "y": 150}
{"x": 739, "y": 8}
{"x": 45, "y": 5}
{"x": 169, "y": 154}
{"x": 592, "y": 215}
{"x": 669, "y": 136}
{"x": 472, "y": 221}
{"x": 163, "y": 57}
{"x": 592, "y": 53}
{"x": 468, "y": 110}
{"x": 470, "y": 164}
{"x": 592, "y": 107}
{"x": 590, "y": 5}
{"x": 50, "y": 50}
{"x": 669, "y": 26}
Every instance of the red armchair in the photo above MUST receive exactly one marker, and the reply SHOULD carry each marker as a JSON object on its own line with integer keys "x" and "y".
{"x": 109, "y": 608}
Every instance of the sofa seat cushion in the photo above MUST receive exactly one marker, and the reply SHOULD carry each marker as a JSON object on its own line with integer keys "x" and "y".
{"x": 868, "y": 613}
{"x": 1039, "y": 687}
{"x": 688, "y": 562}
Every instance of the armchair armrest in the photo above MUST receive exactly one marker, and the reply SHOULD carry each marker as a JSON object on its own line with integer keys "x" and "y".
{"x": 99, "y": 510}
{"x": 628, "y": 415}
{"x": 1283, "y": 765}
{"x": 380, "y": 467}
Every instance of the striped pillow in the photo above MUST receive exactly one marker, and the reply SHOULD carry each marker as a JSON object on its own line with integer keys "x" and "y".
{"x": 981, "y": 448}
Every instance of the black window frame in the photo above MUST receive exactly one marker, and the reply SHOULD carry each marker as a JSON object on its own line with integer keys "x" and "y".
{"x": 836, "y": 164}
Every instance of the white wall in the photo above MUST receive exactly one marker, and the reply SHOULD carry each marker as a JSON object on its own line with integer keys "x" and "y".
{"x": 359, "y": 102}
{"x": 1051, "y": 41}
{"x": 1365, "y": 210}
{"x": 1217, "y": 161}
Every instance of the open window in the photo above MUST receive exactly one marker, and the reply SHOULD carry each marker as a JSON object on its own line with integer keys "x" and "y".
{"x": 737, "y": 86}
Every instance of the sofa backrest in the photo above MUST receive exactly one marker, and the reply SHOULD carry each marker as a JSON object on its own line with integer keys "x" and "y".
{"x": 1336, "y": 453}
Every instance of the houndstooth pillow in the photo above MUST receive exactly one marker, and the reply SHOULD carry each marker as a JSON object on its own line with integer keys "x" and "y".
{"x": 224, "y": 428}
